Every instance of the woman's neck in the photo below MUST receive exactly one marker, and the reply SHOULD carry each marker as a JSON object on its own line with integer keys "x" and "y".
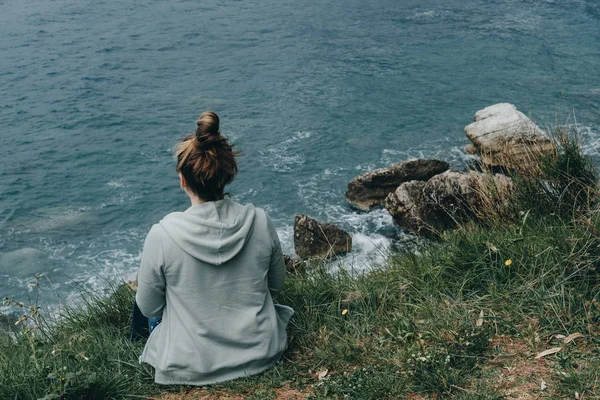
{"x": 193, "y": 197}
{"x": 196, "y": 200}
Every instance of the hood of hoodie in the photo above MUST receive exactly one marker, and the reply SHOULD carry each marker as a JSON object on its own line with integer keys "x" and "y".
{"x": 213, "y": 232}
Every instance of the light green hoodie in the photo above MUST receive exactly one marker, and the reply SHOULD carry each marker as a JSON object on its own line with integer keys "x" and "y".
{"x": 211, "y": 272}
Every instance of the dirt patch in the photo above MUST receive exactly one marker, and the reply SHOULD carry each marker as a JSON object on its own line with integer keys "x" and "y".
{"x": 199, "y": 394}
{"x": 515, "y": 373}
{"x": 283, "y": 393}
{"x": 287, "y": 393}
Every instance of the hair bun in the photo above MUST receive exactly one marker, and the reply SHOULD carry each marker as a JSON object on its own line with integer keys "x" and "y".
{"x": 208, "y": 125}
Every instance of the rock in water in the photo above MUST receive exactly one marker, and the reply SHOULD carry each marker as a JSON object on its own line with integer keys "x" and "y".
{"x": 505, "y": 138}
{"x": 313, "y": 239}
{"x": 371, "y": 188}
{"x": 447, "y": 199}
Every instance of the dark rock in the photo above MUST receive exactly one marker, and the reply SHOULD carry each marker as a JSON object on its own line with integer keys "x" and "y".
{"x": 446, "y": 200}
{"x": 313, "y": 239}
{"x": 371, "y": 188}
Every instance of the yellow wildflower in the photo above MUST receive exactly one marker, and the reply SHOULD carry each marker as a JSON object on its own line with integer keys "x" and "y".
{"x": 344, "y": 311}
{"x": 508, "y": 263}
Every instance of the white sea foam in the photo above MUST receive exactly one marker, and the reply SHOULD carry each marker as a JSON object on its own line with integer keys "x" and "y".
{"x": 109, "y": 266}
{"x": 314, "y": 191}
{"x": 120, "y": 199}
{"x": 117, "y": 183}
{"x": 425, "y": 14}
{"x": 369, "y": 252}
{"x": 93, "y": 266}
{"x": 520, "y": 20}
{"x": 286, "y": 237}
{"x": 287, "y": 154}
{"x": 590, "y": 140}
{"x": 453, "y": 154}
{"x": 366, "y": 167}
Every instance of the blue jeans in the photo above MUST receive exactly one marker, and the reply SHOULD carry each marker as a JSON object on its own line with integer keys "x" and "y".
{"x": 141, "y": 326}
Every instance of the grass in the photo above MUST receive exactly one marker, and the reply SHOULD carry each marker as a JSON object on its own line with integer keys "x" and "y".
{"x": 83, "y": 355}
{"x": 460, "y": 318}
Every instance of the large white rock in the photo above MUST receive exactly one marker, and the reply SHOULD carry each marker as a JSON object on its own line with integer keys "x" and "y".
{"x": 506, "y": 138}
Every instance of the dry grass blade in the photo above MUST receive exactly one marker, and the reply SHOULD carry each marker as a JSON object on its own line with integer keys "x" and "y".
{"x": 572, "y": 337}
{"x": 480, "y": 319}
{"x": 548, "y": 352}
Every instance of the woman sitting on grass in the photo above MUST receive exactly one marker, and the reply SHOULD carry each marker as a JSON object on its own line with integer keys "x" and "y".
{"x": 210, "y": 274}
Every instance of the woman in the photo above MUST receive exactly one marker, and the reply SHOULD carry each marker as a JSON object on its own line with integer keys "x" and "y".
{"x": 211, "y": 273}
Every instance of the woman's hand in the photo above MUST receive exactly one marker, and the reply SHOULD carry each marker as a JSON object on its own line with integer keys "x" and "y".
{"x": 132, "y": 285}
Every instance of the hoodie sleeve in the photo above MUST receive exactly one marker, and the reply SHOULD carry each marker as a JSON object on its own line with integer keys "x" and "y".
{"x": 276, "y": 274}
{"x": 150, "y": 296}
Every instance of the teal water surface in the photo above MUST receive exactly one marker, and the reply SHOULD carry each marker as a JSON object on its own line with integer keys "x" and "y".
{"x": 95, "y": 94}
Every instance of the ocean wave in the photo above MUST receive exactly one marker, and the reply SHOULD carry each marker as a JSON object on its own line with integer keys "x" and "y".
{"x": 313, "y": 193}
{"x": 590, "y": 140}
{"x": 287, "y": 154}
{"x": 286, "y": 238}
{"x": 369, "y": 252}
{"x": 50, "y": 218}
{"x": 117, "y": 183}
{"x": 424, "y": 15}
{"x": 109, "y": 266}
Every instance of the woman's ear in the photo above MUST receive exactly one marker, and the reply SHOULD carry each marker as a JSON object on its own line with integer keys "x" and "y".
{"x": 182, "y": 181}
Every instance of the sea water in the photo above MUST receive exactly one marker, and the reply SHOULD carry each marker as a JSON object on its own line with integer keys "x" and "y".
{"x": 95, "y": 94}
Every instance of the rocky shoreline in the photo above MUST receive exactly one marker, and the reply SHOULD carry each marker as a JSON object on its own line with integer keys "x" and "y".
{"x": 425, "y": 197}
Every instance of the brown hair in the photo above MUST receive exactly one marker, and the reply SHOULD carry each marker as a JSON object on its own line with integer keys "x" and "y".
{"x": 206, "y": 159}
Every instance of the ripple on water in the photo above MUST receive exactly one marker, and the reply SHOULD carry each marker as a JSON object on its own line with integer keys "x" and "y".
{"x": 287, "y": 154}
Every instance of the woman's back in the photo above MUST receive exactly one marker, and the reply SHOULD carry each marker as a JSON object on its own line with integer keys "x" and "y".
{"x": 221, "y": 263}
{"x": 211, "y": 273}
